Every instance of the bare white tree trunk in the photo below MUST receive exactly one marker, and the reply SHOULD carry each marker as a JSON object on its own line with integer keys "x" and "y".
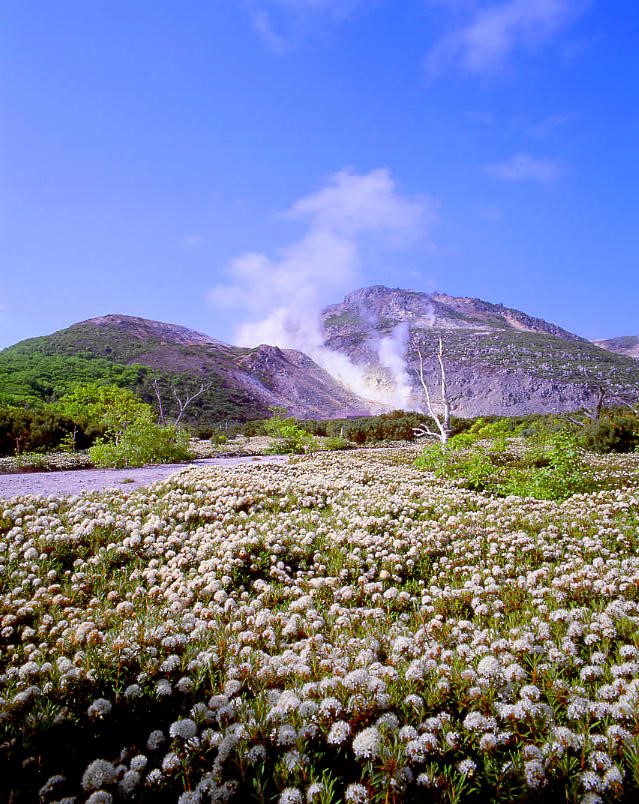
{"x": 441, "y": 417}
{"x": 182, "y": 405}
{"x": 156, "y": 388}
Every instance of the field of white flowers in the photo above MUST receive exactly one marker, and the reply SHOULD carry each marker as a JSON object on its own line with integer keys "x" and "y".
{"x": 345, "y": 628}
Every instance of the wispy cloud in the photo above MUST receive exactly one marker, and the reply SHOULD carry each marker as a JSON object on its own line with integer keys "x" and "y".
{"x": 546, "y": 126}
{"x": 491, "y": 214}
{"x": 193, "y": 240}
{"x": 281, "y": 23}
{"x": 264, "y": 28}
{"x": 280, "y": 298}
{"x": 487, "y": 35}
{"x": 523, "y": 167}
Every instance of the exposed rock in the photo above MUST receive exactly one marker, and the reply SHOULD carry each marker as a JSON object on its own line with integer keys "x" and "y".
{"x": 625, "y": 345}
{"x": 498, "y": 360}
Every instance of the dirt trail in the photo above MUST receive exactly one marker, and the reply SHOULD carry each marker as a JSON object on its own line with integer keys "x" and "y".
{"x": 78, "y": 481}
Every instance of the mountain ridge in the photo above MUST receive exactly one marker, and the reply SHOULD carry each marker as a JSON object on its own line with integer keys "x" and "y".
{"x": 499, "y": 360}
{"x": 624, "y": 345}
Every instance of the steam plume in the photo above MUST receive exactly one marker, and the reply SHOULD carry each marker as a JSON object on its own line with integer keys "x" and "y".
{"x": 281, "y": 298}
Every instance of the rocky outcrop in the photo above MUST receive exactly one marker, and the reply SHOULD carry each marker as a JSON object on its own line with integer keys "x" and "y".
{"x": 627, "y": 345}
{"x": 498, "y": 360}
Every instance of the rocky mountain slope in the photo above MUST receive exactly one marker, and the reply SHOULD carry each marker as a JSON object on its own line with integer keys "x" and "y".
{"x": 133, "y": 351}
{"x": 625, "y": 345}
{"x": 498, "y": 360}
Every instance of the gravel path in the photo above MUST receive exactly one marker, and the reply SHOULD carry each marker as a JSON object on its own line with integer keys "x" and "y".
{"x": 78, "y": 481}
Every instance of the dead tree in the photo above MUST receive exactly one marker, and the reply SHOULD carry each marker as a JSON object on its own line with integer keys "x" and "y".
{"x": 444, "y": 403}
{"x": 594, "y": 415}
{"x": 182, "y": 403}
{"x": 158, "y": 396}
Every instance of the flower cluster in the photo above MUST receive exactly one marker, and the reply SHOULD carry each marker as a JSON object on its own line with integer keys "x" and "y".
{"x": 341, "y": 627}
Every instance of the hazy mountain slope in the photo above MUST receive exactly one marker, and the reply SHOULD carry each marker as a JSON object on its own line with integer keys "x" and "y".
{"x": 625, "y": 345}
{"x": 132, "y": 351}
{"x": 498, "y": 360}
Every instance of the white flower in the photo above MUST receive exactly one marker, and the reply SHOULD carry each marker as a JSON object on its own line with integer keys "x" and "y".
{"x": 184, "y": 729}
{"x": 97, "y": 774}
{"x": 290, "y": 795}
{"x": 286, "y": 735}
{"x": 356, "y": 794}
{"x": 366, "y": 744}
{"x": 128, "y": 783}
{"x": 338, "y": 733}
{"x": 139, "y": 762}
{"x": 467, "y": 767}
{"x": 155, "y": 740}
{"x": 170, "y": 762}
{"x": 489, "y": 666}
{"x": 99, "y": 709}
{"x": 100, "y": 797}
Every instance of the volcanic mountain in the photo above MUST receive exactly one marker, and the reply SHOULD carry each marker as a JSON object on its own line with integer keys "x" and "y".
{"x": 133, "y": 351}
{"x": 497, "y": 360}
{"x": 625, "y": 345}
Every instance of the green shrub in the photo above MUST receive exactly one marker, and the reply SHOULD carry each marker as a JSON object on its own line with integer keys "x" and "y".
{"x": 552, "y": 468}
{"x": 612, "y": 434}
{"x": 333, "y": 443}
{"x": 472, "y": 466}
{"x": 499, "y": 428}
{"x": 141, "y": 443}
{"x": 291, "y": 438}
{"x": 32, "y": 460}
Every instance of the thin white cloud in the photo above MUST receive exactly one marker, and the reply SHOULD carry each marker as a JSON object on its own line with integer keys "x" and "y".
{"x": 545, "y": 127}
{"x": 193, "y": 240}
{"x": 523, "y": 167}
{"x": 279, "y": 299}
{"x": 264, "y": 28}
{"x": 491, "y": 33}
{"x": 281, "y": 23}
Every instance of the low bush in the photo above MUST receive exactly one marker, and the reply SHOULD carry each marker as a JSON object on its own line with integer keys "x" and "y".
{"x": 142, "y": 442}
{"x": 549, "y": 468}
{"x": 291, "y": 438}
{"x": 618, "y": 433}
{"x": 332, "y": 443}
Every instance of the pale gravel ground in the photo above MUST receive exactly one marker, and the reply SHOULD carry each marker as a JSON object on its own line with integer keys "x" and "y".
{"x": 78, "y": 481}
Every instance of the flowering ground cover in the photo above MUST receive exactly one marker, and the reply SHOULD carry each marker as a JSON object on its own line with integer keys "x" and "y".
{"x": 345, "y": 628}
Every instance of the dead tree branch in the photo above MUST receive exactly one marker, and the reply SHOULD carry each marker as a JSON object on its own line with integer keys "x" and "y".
{"x": 183, "y": 405}
{"x": 156, "y": 388}
{"x": 442, "y": 417}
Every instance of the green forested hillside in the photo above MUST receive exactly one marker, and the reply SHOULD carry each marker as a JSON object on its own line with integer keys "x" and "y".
{"x": 44, "y": 369}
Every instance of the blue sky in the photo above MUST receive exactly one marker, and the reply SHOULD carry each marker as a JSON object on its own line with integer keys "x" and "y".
{"x": 232, "y": 165}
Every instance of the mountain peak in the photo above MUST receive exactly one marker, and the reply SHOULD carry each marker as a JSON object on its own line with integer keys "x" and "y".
{"x": 627, "y": 345}
{"x": 144, "y": 328}
{"x": 377, "y": 306}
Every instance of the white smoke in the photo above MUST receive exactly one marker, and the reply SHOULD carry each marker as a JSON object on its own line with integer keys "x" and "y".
{"x": 392, "y": 351}
{"x": 280, "y": 299}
